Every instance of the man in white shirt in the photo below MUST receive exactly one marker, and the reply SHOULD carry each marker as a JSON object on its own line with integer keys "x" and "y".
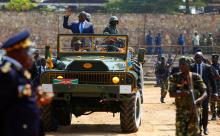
{"x": 195, "y": 41}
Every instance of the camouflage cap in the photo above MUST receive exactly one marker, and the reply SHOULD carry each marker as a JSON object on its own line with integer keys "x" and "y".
{"x": 78, "y": 42}
{"x": 184, "y": 61}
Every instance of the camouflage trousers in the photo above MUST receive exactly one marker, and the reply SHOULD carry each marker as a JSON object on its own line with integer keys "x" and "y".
{"x": 163, "y": 88}
{"x": 187, "y": 124}
{"x": 215, "y": 105}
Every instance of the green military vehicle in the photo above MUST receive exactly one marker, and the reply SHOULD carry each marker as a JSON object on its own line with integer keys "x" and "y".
{"x": 94, "y": 73}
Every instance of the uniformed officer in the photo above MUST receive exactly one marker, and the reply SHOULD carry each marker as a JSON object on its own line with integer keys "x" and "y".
{"x": 188, "y": 89}
{"x": 19, "y": 113}
{"x": 112, "y": 27}
{"x": 213, "y": 102}
{"x": 162, "y": 70}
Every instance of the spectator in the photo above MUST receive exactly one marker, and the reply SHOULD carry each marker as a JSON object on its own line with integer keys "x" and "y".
{"x": 209, "y": 43}
{"x": 181, "y": 42}
{"x": 203, "y": 42}
{"x": 158, "y": 42}
{"x": 149, "y": 42}
{"x": 195, "y": 41}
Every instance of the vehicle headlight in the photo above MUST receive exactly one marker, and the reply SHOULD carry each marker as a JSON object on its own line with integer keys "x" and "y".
{"x": 60, "y": 77}
{"x": 115, "y": 80}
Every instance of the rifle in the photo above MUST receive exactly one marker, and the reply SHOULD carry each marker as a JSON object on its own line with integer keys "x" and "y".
{"x": 194, "y": 109}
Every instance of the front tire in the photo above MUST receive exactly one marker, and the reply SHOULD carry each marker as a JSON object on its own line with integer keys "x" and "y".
{"x": 130, "y": 114}
{"x": 48, "y": 119}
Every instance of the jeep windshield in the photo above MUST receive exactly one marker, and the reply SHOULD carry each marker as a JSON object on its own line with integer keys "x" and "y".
{"x": 96, "y": 44}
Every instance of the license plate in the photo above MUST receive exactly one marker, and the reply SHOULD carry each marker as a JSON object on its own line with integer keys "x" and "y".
{"x": 48, "y": 88}
{"x": 125, "y": 89}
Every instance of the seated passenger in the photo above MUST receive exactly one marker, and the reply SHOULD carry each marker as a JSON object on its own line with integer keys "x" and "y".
{"x": 76, "y": 44}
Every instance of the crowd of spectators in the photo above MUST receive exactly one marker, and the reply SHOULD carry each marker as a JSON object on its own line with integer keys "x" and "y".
{"x": 161, "y": 43}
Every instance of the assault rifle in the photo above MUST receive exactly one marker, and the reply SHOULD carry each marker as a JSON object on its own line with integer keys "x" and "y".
{"x": 194, "y": 106}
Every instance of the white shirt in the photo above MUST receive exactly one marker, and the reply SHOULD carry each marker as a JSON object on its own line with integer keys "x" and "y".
{"x": 195, "y": 39}
{"x": 43, "y": 69}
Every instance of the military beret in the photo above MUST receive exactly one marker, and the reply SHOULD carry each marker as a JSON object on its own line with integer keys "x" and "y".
{"x": 13, "y": 42}
{"x": 198, "y": 50}
{"x": 215, "y": 56}
{"x": 184, "y": 60}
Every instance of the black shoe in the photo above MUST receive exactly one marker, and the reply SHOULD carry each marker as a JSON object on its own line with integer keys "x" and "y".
{"x": 218, "y": 114}
{"x": 156, "y": 85}
{"x": 206, "y": 132}
{"x": 213, "y": 116}
{"x": 162, "y": 100}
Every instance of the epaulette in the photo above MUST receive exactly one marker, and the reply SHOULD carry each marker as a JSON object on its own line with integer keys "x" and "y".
{"x": 6, "y": 67}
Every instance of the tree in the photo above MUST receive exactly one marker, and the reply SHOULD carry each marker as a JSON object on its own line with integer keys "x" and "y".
{"x": 20, "y": 5}
{"x": 149, "y": 6}
{"x": 152, "y": 6}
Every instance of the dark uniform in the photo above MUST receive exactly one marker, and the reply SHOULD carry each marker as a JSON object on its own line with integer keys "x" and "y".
{"x": 19, "y": 114}
{"x": 111, "y": 28}
{"x": 213, "y": 102}
{"x": 208, "y": 75}
{"x": 162, "y": 70}
{"x": 187, "y": 123}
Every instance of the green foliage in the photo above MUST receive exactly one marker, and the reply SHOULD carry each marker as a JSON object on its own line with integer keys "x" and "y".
{"x": 20, "y": 5}
{"x": 150, "y": 6}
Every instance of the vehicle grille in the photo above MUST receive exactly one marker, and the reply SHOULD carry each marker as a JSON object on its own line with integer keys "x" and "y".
{"x": 87, "y": 77}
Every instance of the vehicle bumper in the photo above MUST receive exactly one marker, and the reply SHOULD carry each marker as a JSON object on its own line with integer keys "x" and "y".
{"x": 87, "y": 89}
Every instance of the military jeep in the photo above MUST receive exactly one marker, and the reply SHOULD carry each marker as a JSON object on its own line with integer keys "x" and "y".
{"x": 96, "y": 73}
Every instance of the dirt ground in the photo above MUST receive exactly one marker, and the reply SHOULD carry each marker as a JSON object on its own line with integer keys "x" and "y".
{"x": 157, "y": 120}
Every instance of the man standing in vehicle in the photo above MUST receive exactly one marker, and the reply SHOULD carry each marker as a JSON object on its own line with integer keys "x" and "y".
{"x": 82, "y": 26}
{"x": 112, "y": 27}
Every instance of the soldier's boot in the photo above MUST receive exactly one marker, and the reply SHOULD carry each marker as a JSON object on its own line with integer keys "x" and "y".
{"x": 162, "y": 99}
{"x": 213, "y": 116}
{"x": 218, "y": 108}
{"x": 213, "y": 108}
{"x": 218, "y": 113}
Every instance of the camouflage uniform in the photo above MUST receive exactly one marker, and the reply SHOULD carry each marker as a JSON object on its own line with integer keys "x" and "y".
{"x": 162, "y": 70}
{"x": 111, "y": 29}
{"x": 213, "y": 102}
{"x": 186, "y": 119}
{"x": 209, "y": 43}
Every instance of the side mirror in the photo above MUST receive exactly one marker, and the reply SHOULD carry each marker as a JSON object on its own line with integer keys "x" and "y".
{"x": 141, "y": 53}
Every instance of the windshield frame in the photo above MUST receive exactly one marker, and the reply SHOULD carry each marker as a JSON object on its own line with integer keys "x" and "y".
{"x": 72, "y": 53}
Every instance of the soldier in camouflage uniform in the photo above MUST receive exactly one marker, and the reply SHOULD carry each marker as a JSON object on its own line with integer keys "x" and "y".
{"x": 188, "y": 89}
{"x": 111, "y": 28}
{"x": 213, "y": 102}
{"x": 162, "y": 70}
